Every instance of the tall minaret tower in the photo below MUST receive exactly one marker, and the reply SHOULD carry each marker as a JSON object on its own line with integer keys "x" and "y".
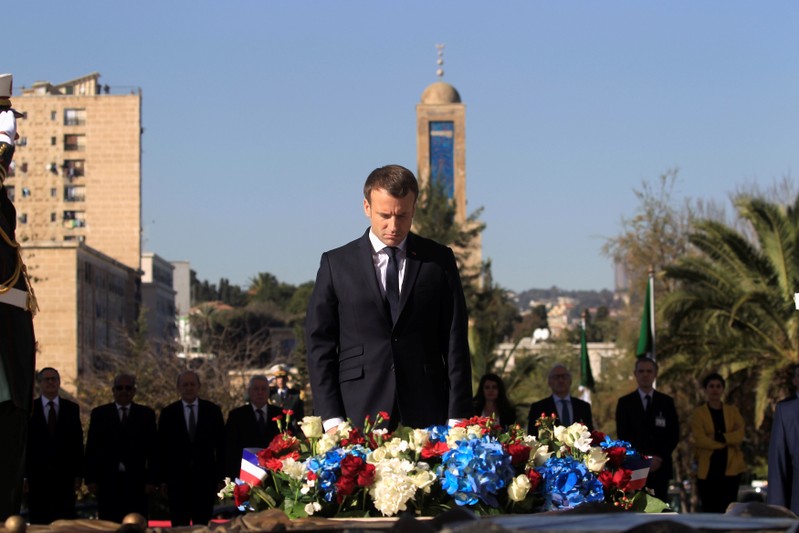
{"x": 441, "y": 149}
{"x": 441, "y": 138}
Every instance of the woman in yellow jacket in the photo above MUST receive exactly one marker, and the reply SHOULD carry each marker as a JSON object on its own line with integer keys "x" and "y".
{"x": 718, "y": 431}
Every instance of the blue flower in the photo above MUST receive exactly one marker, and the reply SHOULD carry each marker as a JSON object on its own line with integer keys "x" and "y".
{"x": 608, "y": 443}
{"x": 438, "y": 433}
{"x": 327, "y": 468}
{"x": 568, "y": 483}
{"x": 475, "y": 470}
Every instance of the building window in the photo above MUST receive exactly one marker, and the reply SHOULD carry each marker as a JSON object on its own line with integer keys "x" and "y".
{"x": 53, "y": 115}
{"x": 26, "y": 192}
{"x": 23, "y": 218}
{"x": 22, "y": 141}
{"x": 442, "y": 155}
{"x": 74, "y": 219}
{"x": 73, "y": 193}
{"x": 52, "y": 217}
{"x": 53, "y": 192}
{"x": 53, "y": 140}
{"x": 73, "y": 143}
{"x": 73, "y": 168}
{"x": 74, "y": 117}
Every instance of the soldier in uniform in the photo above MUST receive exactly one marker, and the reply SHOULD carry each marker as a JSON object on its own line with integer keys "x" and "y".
{"x": 288, "y": 399}
{"x": 17, "y": 343}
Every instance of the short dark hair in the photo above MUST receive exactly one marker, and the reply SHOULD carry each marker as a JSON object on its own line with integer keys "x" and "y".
{"x": 43, "y": 370}
{"x": 646, "y": 360}
{"x": 186, "y": 373}
{"x": 713, "y": 376}
{"x": 119, "y": 377}
{"x": 396, "y": 180}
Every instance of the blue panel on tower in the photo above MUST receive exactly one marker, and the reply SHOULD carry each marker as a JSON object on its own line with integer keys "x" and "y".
{"x": 442, "y": 155}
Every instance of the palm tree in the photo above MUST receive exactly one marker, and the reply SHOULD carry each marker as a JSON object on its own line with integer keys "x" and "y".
{"x": 733, "y": 308}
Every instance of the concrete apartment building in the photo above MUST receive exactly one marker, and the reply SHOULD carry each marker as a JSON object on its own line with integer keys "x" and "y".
{"x": 76, "y": 184}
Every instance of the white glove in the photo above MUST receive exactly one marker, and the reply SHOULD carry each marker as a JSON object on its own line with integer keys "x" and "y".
{"x": 8, "y": 127}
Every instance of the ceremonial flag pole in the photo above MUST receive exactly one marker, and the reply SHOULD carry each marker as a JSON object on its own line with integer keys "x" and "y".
{"x": 646, "y": 337}
{"x": 586, "y": 376}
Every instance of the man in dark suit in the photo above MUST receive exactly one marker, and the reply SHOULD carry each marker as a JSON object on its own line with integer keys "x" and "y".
{"x": 121, "y": 453}
{"x": 17, "y": 341}
{"x": 287, "y": 398}
{"x": 783, "y": 457}
{"x": 387, "y": 324}
{"x": 567, "y": 408}
{"x": 249, "y": 426}
{"x": 191, "y": 434}
{"x": 54, "y": 459}
{"x": 647, "y": 419}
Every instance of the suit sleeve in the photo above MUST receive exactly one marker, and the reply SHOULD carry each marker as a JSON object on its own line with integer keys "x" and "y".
{"x": 624, "y": 430}
{"x": 92, "y": 449}
{"x": 673, "y": 423}
{"x": 780, "y": 464}
{"x": 736, "y": 431}
{"x": 75, "y": 441}
{"x": 459, "y": 362}
{"x": 322, "y": 337}
{"x": 233, "y": 445}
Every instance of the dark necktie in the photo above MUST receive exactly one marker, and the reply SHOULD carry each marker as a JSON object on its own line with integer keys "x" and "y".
{"x": 566, "y": 417}
{"x": 51, "y": 419}
{"x": 392, "y": 283}
{"x": 124, "y": 416}
{"x": 192, "y": 423}
{"x": 261, "y": 421}
{"x": 647, "y": 403}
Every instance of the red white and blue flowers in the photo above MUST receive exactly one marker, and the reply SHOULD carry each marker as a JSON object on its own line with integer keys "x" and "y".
{"x": 475, "y": 464}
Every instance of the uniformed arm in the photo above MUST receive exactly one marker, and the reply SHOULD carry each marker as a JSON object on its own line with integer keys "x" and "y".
{"x": 702, "y": 434}
{"x": 780, "y": 464}
{"x": 322, "y": 337}
{"x": 459, "y": 362}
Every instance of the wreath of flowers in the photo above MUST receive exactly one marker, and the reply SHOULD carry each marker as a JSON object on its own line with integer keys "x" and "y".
{"x": 475, "y": 464}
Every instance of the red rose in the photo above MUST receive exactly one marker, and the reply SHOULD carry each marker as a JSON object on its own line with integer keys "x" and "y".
{"x": 351, "y": 465}
{"x": 535, "y": 479}
{"x": 519, "y": 453}
{"x": 310, "y": 476}
{"x": 241, "y": 494}
{"x": 606, "y": 478}
{"x": 366, "y": 476}
{"x": 344, "y": 487}
{"x": 434, "y": 450}
{"x": 616, "y": 455}
{"x": 597, "y": 438}
{"x": 621, "y": 478}
{"x": 354, "y": 437}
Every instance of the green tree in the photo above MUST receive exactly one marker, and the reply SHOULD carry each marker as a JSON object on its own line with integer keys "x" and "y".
{"x": 734, "y": 308}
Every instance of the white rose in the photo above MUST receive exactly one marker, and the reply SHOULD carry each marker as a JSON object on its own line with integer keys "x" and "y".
{"x": 419, "y": 438}
{"x": 519, "y": 488}
{"x": 377, "y": 455}
{"x": 540, "y": 455}
{"x": 294, "y": 469}
{"x": 455, "y": 435}
{"x": 596, "y": 460}
{"x": 326, "y": 443}
{"x": 312, "y": 426}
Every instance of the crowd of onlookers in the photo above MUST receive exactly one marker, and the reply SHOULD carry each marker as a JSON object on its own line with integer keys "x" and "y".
{"x": 188, "y": 450}
{"x": 185, "y": 452}
{"x": 647, "y": 419}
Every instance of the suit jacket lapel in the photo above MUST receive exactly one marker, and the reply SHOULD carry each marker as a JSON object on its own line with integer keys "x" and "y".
{"x": 412, "y": 265}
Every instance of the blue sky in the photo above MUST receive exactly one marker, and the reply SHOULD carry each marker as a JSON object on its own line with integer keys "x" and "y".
{"x": 262, "y": 119}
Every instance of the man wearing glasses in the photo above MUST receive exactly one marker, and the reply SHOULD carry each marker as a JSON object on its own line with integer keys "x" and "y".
{"x": 121, "y": 451}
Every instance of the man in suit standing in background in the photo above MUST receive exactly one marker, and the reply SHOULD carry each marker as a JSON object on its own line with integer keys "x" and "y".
{"x": 783, "y": 457}
{"x": 249, "y": 426}
{"x": 387, "y": 323}
{"x": 191, "y": 433}
{"x": 647, "y": 419}
{"x": 567, "y": 408}
{"x": 121, "y": 453}
{"x": 54, "y": 459}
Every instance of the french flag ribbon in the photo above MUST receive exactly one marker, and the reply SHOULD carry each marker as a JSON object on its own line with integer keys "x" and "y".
{"x": 251, "y": 472}
{"x": 639, "y": 466}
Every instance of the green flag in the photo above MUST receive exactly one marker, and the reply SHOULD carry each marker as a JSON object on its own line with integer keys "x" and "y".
{"x": 586, "y": 376}
{"x": 646, "y": 337}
